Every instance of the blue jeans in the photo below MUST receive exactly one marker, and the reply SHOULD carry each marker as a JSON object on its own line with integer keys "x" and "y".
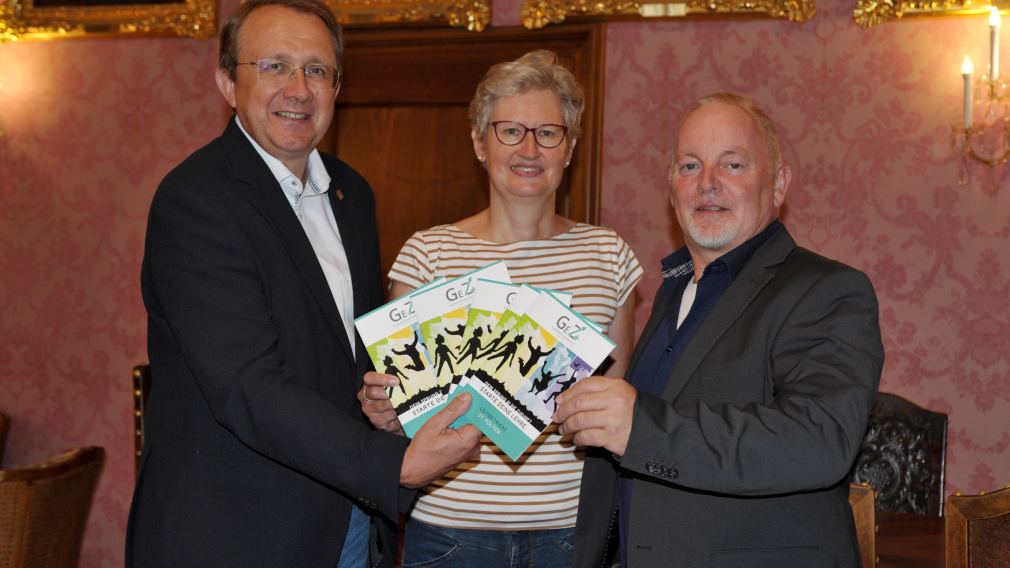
{"x": 354, "y": 554}
{"x": 427, "y": 545}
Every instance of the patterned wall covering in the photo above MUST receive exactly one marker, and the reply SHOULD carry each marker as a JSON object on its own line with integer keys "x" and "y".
{"x": 865, "y": 118}
{"x": 89, "y": 127}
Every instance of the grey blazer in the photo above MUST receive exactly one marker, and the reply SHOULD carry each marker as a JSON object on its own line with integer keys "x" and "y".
{"x": 743, "y": 460}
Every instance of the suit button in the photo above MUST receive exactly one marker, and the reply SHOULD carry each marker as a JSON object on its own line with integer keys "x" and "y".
{"x": 660, "y": 470}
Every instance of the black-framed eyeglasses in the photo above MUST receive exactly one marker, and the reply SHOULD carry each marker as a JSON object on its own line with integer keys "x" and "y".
{"x": 511, "y": 133}
{"x": 278, "y": 72}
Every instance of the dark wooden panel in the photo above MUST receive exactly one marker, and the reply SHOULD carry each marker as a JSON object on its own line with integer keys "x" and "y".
{"x": 419, "y": 160}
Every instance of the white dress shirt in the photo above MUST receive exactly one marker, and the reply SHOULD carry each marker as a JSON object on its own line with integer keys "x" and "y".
{"x": 312, "y": 207}
{"x": 687, "y": 300}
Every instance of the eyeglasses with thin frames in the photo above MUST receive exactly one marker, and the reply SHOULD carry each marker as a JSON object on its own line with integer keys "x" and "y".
{"x": 278, "y": 72}
{"x": 512, "y": 133}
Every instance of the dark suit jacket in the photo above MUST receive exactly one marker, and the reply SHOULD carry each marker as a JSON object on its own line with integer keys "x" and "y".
{"x": 256, "y": 446}
{"x": 743, "y": 460}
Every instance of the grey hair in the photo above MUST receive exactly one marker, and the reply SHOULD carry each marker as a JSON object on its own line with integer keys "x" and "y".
{"x": 763, "y": 121}
{"x": 534, "y": 71}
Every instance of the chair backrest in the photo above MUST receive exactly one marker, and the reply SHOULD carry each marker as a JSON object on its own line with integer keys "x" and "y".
{"x": 903, "y": 455}
{"x": 141, "y": 390}
{"x": 5, "y": 424}
{"x": 44, "y": 509}
{"x": 978, "y": 530}
{"x": 861, "y": 499}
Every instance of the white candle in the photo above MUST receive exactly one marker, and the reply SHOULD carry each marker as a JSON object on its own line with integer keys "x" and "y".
{"x": 994, "y": 24}
{"x": 966, "y": 70}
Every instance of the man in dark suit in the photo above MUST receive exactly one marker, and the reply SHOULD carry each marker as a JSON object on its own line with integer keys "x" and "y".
{"x": 731, "y": 442}
{"x": 260, "y": 251}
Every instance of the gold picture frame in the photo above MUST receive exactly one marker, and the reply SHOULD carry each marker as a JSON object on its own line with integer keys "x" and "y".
{"x": 473, "y": 15}
{"x": 538, "y": 13}
{"x": 47, "y": 19}
{"x": 869, "y": 13}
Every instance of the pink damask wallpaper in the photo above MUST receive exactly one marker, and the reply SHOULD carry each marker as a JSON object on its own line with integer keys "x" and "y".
{"x": 88, "y": 130}
{"x": 89, "y": 127}
{"x": 865, "y": 119}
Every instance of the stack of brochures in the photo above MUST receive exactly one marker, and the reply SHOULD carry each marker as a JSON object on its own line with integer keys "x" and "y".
{"x": 514, "y": 348}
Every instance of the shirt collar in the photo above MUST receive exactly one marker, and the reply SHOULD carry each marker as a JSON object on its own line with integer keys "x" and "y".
{"x": 316, "y": 174}
{"x": 679, "y": 263}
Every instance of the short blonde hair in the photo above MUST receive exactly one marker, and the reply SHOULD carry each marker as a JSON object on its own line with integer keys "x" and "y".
{"x": 535, "y": 71}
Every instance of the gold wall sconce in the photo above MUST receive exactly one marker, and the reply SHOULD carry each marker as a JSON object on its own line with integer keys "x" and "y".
{"x": 983, "y": 137}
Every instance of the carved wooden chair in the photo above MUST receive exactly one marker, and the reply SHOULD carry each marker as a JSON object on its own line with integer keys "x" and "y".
{"x": 903, "y": 456}
{"x": 861, "y": 499}
{"x": 141, "y": 390}
{"x": 44, "y": 509}
{"x": 978, "y": 530}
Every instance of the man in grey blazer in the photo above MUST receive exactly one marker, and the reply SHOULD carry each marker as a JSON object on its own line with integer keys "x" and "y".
{"x": 260, "y": 252}
{"x": 747, "y": 398}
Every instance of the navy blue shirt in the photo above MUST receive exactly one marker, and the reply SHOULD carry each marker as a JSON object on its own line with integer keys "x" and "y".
{"x": 655, "y": 364}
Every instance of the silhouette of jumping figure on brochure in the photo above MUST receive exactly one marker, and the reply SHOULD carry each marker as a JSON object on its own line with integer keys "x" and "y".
{"x": 564, "y": 386}
{"x": 493, "y": 346}
{"x": 410, "y": 350}
{"x": 472, "y": 346}
{"x": 535, "y": 355}
{"x": 507, "y": 353}
{"x": 443, "y": 355}
{"x": 541, "y": 383}
{"x": 392, "y": 369}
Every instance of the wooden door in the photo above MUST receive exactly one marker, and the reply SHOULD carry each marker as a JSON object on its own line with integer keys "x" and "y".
{"x": 401, "y": 120}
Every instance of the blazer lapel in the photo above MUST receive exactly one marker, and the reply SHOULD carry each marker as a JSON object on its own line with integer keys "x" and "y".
{"x": 347, "y": 224}
{"x": 741, "y": 293}
{"x": 266, "y": 195}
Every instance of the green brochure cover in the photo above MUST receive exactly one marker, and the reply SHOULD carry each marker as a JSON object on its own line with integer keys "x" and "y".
{"x": 515, "y": 390}
{"x": 490, "y": 300}
{"x": 393, "y": 340}
{"x": 516, "y": 300}
{"x": 442, "y": 315}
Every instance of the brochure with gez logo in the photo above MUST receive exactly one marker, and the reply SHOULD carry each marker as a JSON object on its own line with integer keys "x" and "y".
{"x": 442, "y": 314}
{"x": 495, "y": 308}
{"x": 490, "y": 300}
{"x": 515, "y": 389}
{"x": 392, "y": 337}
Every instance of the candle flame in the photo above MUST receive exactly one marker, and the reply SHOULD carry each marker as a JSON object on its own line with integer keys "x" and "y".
{"x": 994, "y": 17}
{"x": 966, "y": 67}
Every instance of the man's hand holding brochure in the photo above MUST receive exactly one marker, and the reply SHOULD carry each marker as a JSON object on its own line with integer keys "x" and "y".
{"x": 513, "y": 348}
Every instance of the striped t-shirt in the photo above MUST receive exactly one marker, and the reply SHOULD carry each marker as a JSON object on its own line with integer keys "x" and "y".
{"x": 541, "y": 490}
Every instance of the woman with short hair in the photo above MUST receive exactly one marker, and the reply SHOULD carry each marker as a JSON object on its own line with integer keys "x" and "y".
{"x": 491, "y": 511}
